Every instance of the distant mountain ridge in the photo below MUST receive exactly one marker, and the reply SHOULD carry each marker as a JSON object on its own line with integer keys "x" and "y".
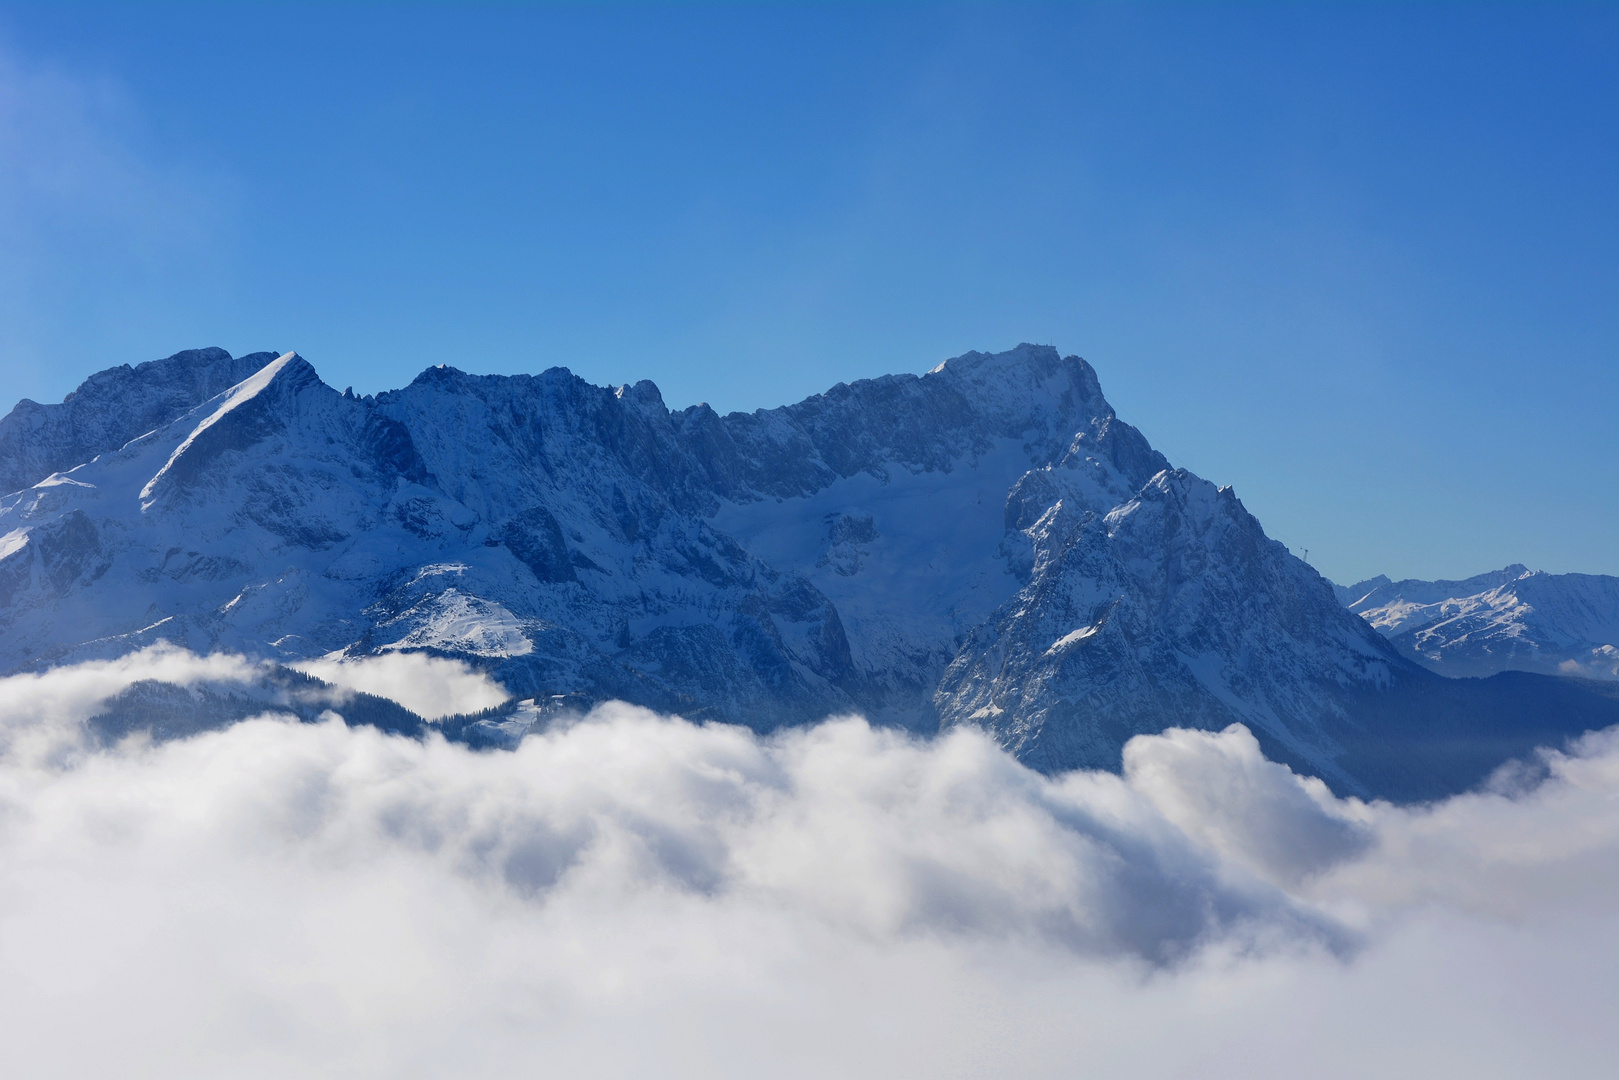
{"x": 1513, "y": 619}
{"x": 985, "y": 544}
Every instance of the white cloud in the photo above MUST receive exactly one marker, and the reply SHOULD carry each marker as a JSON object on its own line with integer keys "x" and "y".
{"x": 1223, "y": 793}
{"x": 1601, "y": 663}
{"x": 41, "y": 714}
{"x": 429, "y": 686}
{"x": 632, "y": 895}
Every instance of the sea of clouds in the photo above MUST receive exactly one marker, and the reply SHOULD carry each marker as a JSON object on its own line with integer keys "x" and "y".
{"x": 631, "y": 895}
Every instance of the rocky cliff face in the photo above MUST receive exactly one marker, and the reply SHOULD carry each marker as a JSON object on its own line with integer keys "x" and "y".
{"x": 1173, "y": 600}
{"x": 987, "y": 543}
{"x": 1513, "y": 619}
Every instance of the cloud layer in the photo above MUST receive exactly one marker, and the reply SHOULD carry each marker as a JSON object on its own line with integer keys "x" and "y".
{"x": 634, "y": 895}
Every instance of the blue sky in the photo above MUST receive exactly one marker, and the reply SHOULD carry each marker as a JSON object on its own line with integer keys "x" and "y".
{"x": 1362, "y": 262}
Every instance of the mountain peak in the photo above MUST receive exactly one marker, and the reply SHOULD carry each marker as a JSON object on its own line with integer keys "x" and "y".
{"x": 1023, "y": 355}
{"x": 1029, "y": 381}
{"x": 111, "y": 408}
{"x": 234, "y": 422}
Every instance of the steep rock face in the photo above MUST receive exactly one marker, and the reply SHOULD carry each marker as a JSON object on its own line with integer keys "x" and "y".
{"x": 1512, "y": 619}
{"x": 987, "y": 543}
{"x": 1173, "y": 602}
{"x": 111, "y": 408}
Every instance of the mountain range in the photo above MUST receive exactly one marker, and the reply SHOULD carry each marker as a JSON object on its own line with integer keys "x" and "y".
{"x": 1513, "y": 619}
{"x": 985, "y": 544}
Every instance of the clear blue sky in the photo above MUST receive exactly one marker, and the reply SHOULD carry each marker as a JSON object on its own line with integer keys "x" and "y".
{"x": 1361, "y": 262}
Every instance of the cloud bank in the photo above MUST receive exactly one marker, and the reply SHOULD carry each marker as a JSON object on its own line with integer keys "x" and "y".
{"x": 635, "y": 895}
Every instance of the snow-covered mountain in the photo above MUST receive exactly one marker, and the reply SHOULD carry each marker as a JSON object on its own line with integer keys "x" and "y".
{"x": 1514, "y": 619}
{"x": 987, "y": 543}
